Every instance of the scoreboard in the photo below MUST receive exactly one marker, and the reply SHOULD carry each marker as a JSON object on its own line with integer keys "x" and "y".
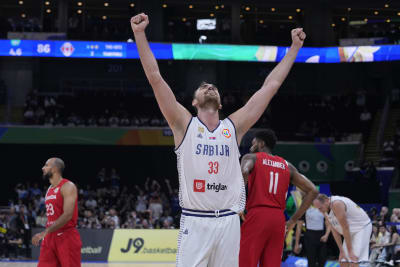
{"x": 78, "y": 49}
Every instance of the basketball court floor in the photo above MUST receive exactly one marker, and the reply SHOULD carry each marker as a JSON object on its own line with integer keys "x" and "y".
{"x": 34, "y": 264}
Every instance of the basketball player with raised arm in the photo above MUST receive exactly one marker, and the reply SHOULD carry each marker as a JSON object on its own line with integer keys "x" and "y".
{"x": 350, "y": 221}
{"x": 268, "y": 177}
{"x": 61, "y": 244}
{"x": 212, "y": 191}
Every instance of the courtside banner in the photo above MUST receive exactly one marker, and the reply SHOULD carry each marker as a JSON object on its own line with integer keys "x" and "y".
{"x": 131, "y": 245}
{"x": 95, "y": 244}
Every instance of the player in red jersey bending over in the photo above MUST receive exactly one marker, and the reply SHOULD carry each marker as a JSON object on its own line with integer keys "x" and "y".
{"x": 61, "y": 246}
{"x": 263, "y": 231}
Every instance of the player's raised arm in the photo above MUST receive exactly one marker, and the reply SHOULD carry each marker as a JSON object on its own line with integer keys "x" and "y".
{"x": 176, "y": 115}
{"x": 307, "y": 187}
{"x": 248, "y": 115}
{"x": 247, "y": 165}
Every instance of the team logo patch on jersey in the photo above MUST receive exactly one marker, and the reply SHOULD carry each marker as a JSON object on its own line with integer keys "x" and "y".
{"x": 199, "y": 186}
{"x": 201, "y": 129}
{"x": 226, "y": 133}
{"x": 56, "y": 190}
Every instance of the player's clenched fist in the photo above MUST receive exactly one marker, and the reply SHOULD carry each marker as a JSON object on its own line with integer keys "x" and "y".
{"x": 139, "y": 22}
{"x": 298, "y": 37}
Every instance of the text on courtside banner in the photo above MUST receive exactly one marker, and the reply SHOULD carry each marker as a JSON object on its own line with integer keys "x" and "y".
{"x": 132, "y": 245}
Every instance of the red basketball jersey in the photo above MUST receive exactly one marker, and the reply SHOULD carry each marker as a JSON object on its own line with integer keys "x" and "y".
{"x": 55, "y": 207}
{"x": 268, "y": 182}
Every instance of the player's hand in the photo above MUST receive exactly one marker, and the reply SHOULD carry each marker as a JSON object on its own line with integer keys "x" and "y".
{"x": 290, "y": 224}
{"x": 342, "y": 256}
{"x": 297, "y": 249}
{"x": 139, "y": 22}
{"x": 242, "y": 217}
{"x": 324, "y": 238}
{"x": 38, "y": 237}
{"x": 353, "y": 258}
{"x": 298, "y": 37}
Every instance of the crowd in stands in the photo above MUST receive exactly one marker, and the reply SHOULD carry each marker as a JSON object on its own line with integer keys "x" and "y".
{"x": 154, "y": 205}
{"x": 336, "y": 117}
{"x": 391, "y": 149}
{"x": 126, "y": 110}
{"x": 385, "y": 239}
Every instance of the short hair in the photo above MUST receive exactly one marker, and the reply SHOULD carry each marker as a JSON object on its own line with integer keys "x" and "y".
{"x": 322, "y": 197}
{"x": 59, "y": 164}
{"x": 268, "y": 136}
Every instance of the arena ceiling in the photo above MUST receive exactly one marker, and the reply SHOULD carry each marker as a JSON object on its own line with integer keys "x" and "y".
{"x": 281, "y": 11}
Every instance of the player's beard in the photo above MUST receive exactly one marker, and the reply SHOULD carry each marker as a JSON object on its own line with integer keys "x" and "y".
{"x": 47, "y": 176}
{"x": 210, "y": 101}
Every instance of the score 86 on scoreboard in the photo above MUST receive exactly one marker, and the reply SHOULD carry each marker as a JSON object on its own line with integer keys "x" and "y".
{"x": 43, "y": 49}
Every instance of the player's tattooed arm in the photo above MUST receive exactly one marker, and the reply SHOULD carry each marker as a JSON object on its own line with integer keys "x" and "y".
{"x": 247, "y": 165}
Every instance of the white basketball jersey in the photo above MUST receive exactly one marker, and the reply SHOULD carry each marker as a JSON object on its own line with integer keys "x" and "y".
{"x": 356, "y": 217}
{"x": 210, "y": 177}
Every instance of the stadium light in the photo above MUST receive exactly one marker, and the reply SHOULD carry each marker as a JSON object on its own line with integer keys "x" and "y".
{"x": 47, "y": 3}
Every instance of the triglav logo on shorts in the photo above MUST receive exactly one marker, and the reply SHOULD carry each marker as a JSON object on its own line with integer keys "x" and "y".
{"x": 226, "y": 133}
{"x": 67, "y": 49}
{"x": 199, "y": 186}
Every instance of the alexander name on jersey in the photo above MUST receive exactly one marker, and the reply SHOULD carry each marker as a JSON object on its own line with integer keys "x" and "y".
{"x": 274, "y": 164}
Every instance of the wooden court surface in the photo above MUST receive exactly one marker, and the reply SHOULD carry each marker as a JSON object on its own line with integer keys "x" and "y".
{"x": 34, "y": 264}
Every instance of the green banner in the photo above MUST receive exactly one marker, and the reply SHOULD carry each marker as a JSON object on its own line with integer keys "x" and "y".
{"x": 85, "y": 136}
{"x": 319, "y": 161}
{"x": 224, "y": 52}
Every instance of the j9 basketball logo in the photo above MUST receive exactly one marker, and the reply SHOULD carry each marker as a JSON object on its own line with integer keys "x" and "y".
{"x": 136, "y": 243}
{"x": 49, "y": 210}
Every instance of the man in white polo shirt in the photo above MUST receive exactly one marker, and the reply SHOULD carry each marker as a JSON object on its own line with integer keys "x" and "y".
{"x": 350, "y": 221}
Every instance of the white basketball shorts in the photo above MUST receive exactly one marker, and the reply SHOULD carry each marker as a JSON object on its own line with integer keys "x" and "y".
{"x": 360, "y": 243}
{"x": 209, "y": 241}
